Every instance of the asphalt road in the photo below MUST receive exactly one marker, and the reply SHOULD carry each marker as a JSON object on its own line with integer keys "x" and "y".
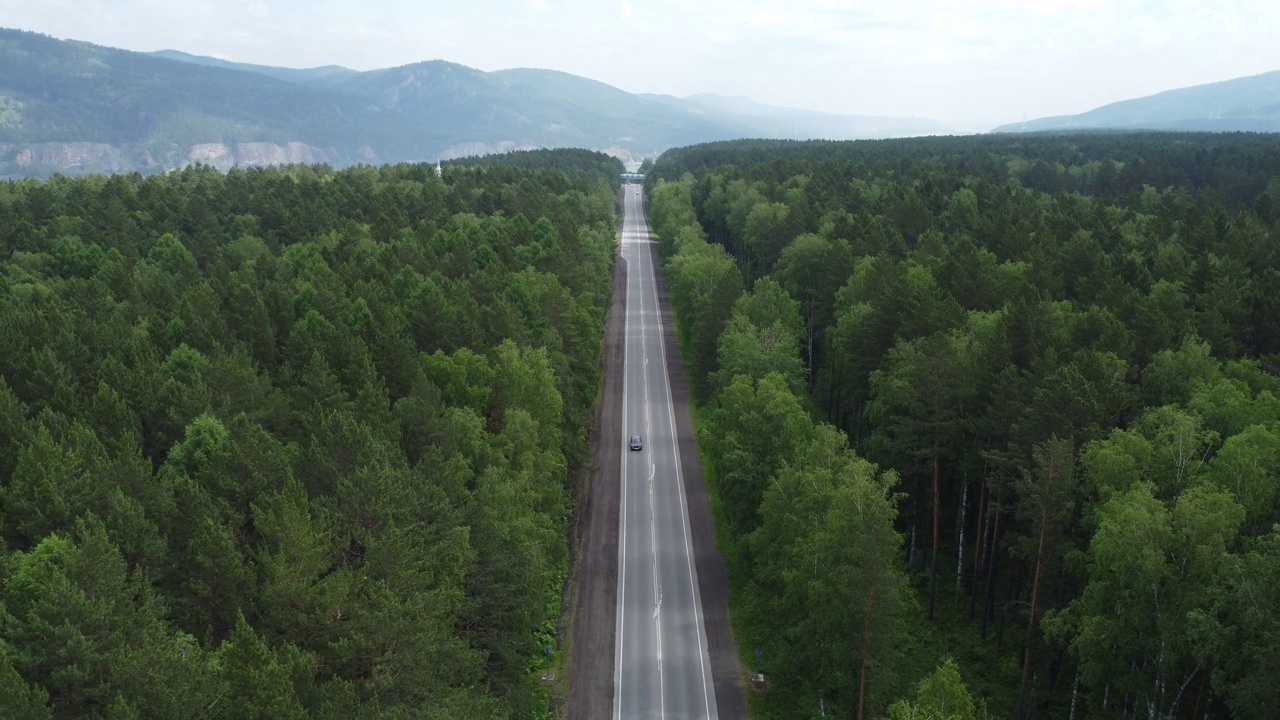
{"x": 661, "y": 661}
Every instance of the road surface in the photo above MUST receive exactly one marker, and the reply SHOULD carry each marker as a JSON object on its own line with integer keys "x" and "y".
{"x": 662, "y": 667}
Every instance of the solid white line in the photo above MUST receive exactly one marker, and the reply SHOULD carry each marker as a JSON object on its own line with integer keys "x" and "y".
{"x": 697, "y": 607}
{"x": 653, "y": 512}
{"x": 620, "y": 620}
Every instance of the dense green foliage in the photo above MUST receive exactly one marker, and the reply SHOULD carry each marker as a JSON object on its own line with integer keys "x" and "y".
{"x": 578, "y": 165}
{"x": 292, "y": 443}
{"x": 1061, "y": 351}
{"x": 941, "y": 696}
{"x": 793, "y": 496}
{"x": 1228, "y": 169}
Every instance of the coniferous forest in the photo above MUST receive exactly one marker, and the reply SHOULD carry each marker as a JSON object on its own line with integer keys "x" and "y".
{"x": 992, "y": 427}
{"x": 992, "y": 423}
{"x": 294, "y": 443}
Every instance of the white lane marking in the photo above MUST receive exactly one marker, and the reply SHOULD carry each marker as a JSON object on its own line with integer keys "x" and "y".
{"x": 697, "y": 607}
{"x": 653, "y": 524}
{"x": 622, "y": 520}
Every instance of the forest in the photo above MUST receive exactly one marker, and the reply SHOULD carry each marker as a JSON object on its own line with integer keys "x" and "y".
{"x": 294, "y": 443}
{"x": 992, "y": 424}
{"x": 577, "y": 165}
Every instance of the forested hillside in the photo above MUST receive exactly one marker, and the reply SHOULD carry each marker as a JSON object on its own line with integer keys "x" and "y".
{"x": 293, "y": 443}
{"x": 1247, "y": 103}
{"x": 1008, "y": 400}
{"x": 76, "y": 108}
{"x": 54, "y": 91}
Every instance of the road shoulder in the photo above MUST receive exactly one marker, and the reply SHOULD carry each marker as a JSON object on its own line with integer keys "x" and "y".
{"x": 594, "y": 627}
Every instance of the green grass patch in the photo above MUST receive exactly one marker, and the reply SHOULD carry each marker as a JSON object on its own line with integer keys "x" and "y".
{"x": 549, "y": 672}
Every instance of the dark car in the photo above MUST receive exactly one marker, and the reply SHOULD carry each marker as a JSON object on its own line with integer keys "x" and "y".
{"x": 635, "y": 442}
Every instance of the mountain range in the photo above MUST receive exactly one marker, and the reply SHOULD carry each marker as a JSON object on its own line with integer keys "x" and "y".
{"x": 1243, "y": 104}
{"x": 74, "y": 107}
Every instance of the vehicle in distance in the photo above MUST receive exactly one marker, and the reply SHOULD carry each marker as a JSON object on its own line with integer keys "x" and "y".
{"x": 635, "y": 442}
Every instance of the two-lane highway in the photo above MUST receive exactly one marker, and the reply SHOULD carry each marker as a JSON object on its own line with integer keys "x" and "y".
{"x": 661, "y": 664}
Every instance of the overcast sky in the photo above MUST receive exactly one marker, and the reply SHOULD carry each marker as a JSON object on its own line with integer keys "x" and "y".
{"x": 968, "y": 63}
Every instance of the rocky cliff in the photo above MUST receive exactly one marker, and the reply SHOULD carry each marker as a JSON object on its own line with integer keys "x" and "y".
{"x": 259, "y": 154}
{"x": 73, "y": 158}
{"x": 83, "y": 158}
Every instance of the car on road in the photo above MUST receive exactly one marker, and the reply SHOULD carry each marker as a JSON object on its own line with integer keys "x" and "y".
{"x": 635, "y": 442}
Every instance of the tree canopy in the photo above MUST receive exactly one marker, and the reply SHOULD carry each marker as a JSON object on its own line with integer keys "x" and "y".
{"x": 295, "y": 442}
{"x": 1055, "y": 354}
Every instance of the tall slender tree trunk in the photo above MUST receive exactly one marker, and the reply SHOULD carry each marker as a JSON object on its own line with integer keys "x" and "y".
{"x": 960, "y": 523}
{"x": 1004, "y": 615}
{"x": 1031, "y": 626}
{"x": 978, "y": 542}
{"x": 933, "y": 559}
{"x": 1177, "y": 699}
{"x": 809, "y": 338}
{"x": 911, "y": 542}
{"x": 1075, "y": 691}
{"x": 1199, "y": 696}
{"x": 911, "y": 548}
{"x": 993, "y": 565}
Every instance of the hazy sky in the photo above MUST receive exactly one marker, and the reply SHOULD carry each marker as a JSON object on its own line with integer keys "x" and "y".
{"x": 968, "y": 63}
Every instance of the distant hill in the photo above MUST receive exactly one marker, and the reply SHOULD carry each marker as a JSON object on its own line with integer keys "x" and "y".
{"x": 317, "y": 77}
{"x": 73, "y": 107}
{"x": 1243, "y": 104}
{"x": 783, "y": 122}
{"x": 528, "y": 108}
